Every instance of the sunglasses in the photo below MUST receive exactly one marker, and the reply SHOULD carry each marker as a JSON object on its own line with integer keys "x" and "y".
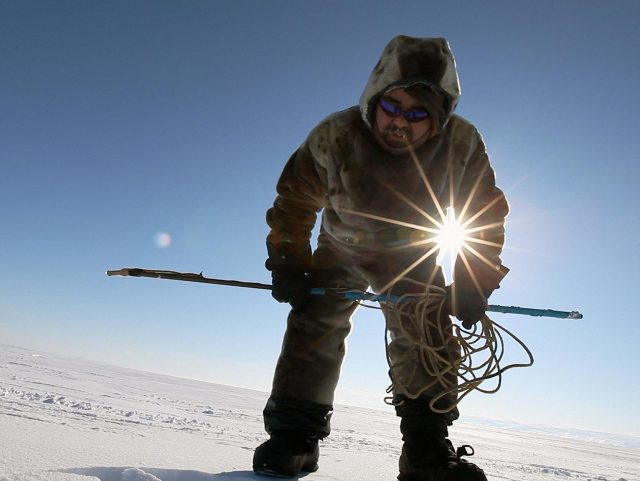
{"x": 409, "y": 115}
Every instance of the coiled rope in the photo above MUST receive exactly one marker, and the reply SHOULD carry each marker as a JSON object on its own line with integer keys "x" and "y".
{"x": 458, "y": 360}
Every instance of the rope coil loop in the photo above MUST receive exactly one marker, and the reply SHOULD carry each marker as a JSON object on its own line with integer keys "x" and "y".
{"x": 457, "y": 360}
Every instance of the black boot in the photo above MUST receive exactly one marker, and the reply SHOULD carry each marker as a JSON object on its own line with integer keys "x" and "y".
{"x": 287, "y": 453}
{"x": 427, "y": 454}
{"x": 295, "y": 428}
{"x": 431, "y": 457}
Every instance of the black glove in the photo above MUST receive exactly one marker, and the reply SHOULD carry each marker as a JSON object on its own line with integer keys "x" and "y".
{"x": 292, "y": 286}
{"x": 469, "y": 305}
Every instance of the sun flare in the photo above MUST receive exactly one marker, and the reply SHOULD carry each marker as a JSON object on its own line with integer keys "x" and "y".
{"x": 451, "y": 241}
{"x": 451, "y": 236}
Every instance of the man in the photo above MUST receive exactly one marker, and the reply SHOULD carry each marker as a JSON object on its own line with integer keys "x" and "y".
{"x": 377, "y": 171}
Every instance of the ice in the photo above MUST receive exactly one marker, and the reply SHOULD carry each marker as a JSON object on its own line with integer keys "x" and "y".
{"x": 71, "y": 419}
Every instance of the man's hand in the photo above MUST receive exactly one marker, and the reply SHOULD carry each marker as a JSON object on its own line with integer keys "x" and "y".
{"x": 466, "y": 304}
{"x": 292, "y": 286}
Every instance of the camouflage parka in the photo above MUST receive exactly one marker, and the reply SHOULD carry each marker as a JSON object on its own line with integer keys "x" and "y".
{"x": 371, "y": 199}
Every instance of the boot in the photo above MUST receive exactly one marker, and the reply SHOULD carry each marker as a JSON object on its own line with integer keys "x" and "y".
{"x": 429, "y": 456}
{"x": 427, "y": 453}
{"x": 287, "y": 453}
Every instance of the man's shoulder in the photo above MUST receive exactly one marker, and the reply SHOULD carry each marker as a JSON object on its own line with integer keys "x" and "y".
{"x": 336, "y": 134}
{"x": 342, "y": 121}
{"x": 460, "y": 126}
{"x": 459, "y": 131}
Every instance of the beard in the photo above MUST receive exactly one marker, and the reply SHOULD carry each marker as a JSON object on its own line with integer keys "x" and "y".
{"x": 400, "y": 139}
{"x": 397, "y": 137}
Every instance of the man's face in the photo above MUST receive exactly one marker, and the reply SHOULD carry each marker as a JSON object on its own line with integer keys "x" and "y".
{"x": 401, "y": 121}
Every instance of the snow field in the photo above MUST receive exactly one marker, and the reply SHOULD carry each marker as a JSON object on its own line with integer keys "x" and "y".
{"x": 71, "y": 419}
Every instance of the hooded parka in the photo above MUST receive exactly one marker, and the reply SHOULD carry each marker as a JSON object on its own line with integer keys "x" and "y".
{"x": 375, "y": 203}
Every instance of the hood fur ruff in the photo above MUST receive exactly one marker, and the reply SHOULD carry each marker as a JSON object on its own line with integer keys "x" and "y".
{"x": 408, "y": 61}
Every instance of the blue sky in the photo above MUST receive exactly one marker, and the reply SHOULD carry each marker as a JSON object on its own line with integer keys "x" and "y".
{"x": 125, "y": 120}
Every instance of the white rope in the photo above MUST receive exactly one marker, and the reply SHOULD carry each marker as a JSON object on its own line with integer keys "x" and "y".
{"x": 481, "y": 350}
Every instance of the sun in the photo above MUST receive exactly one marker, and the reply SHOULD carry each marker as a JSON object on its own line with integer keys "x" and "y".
{"x": 451, "y": 235}
{"x": 451, "y": 241}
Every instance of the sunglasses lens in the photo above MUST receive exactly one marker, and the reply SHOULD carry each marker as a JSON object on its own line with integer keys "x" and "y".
{"x": 415, "y": 115}
{"x": 389, "y": 107}
{"x": 409, "y": 115}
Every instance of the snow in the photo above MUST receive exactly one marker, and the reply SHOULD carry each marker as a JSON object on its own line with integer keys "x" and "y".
{"x": 73, "y": 419}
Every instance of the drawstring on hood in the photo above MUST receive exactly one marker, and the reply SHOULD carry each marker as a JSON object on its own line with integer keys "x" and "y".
{"x": 409, "y": 61}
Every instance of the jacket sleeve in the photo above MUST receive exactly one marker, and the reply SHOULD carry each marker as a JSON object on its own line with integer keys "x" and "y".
{"x": 483, "y": 205}
{"x": 301, "y": 195}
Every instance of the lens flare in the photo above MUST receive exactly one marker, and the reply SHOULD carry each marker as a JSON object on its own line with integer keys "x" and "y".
{"x": 163, "y": 240}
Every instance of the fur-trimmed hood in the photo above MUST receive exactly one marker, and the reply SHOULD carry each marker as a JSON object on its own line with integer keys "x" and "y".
{"x": 408, "y": 61}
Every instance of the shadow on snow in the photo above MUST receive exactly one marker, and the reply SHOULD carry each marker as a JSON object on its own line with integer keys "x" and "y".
{"x": 154, "y": 474}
